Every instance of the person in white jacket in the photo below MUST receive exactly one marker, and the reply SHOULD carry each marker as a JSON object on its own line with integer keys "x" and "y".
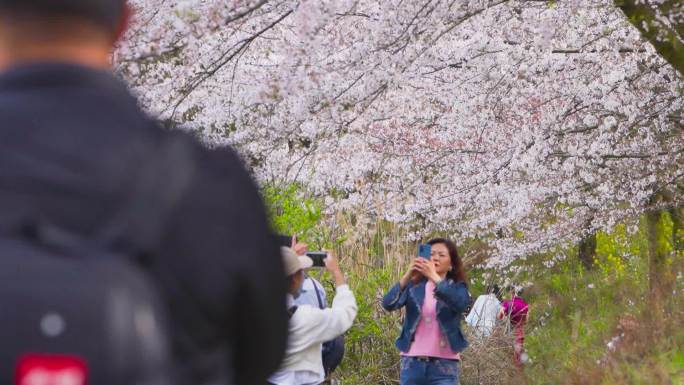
{"x": 309, "y": 326}
{"x": 483, "y": 315}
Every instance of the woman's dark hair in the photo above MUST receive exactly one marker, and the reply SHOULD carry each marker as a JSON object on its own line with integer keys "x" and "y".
{"x": 457, "y": 272}
{"x": 517, "y": 291}
{"x": 493, "y": 288}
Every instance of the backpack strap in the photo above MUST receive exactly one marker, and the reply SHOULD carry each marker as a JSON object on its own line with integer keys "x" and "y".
{"x": 291, "y": 311}
{"x": 318, "y": 294}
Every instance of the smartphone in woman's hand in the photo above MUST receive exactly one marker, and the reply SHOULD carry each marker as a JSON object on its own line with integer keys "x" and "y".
{"x": 424, "y": 250}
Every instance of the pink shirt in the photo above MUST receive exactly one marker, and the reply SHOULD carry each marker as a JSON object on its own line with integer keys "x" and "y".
{"x": 429, "y": 340}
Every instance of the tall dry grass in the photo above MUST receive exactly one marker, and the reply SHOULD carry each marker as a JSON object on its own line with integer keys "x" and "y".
{"x": 489, "y": 359}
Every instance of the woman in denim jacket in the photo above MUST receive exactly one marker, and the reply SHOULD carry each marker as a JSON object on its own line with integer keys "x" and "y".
{"x": 435, "y": 295}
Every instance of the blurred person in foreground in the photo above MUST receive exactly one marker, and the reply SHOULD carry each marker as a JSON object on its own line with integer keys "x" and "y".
{"x": 435, "y": 295}
{"x": 311, "y": 326}
{"x": 72, "y": 143}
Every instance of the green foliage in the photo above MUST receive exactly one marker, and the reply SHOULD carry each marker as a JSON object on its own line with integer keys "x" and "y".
{"x": 573, "y": 315}
{"x": 371, "y": 357}
{"x": 613, "y": 250}
{"x": 664, "y": 233}
{"x": 576, "y": 313}
{"x": 291, "y": 211}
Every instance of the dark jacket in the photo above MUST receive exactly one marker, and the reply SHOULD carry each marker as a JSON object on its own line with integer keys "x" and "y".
{"x": 452, "y": 299}
{"x": 72, "y": 141}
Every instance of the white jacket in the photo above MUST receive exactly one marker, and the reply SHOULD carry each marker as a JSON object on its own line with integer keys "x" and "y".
{"x": 482, "y": 317}
{"x": 309, "y": 328}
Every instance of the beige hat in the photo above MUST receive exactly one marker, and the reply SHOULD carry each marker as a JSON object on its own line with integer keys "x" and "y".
{"x": 292, "y": 262}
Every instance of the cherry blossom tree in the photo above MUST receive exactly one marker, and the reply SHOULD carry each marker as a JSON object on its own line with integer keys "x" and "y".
{"x": 530, "y": 123}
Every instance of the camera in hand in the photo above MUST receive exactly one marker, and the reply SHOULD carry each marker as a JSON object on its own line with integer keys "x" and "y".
{"x": 318, "y": 257}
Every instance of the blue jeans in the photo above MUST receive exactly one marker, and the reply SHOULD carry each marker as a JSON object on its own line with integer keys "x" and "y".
{"x": 434, "y": 372}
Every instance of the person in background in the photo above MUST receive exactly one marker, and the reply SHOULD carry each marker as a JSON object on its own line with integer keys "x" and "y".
{"x": 435, "y": 294}
{"x": 313, "y": 294}
{"x": 312, "y": 291}
{"x": 74, "y": 141}
{"x": 310, "y": 326}
{"x": 483, "y": 315}
{"x": 516, "y": 311}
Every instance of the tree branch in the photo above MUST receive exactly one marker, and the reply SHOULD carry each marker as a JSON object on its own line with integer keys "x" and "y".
{"x": 664, "y": 39}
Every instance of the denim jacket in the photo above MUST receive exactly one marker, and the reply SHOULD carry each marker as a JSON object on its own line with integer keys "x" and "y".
{"x": 452, "y": 300}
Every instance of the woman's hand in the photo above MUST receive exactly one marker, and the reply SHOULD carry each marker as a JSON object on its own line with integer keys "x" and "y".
{"x": 333, "y": 266}
{"x": 502, "y": 313}
{"x": 411, "y": 275}
{"x": 299, "y": 248}
{"x": 427, "y": 269}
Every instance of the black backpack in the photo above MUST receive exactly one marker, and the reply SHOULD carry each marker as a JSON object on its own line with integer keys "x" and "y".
{"x": 75, "y": 313}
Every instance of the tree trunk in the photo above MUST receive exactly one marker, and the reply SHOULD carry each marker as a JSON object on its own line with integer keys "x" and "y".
{"x": 667, "y": 40}
{"x": 587, "y": 251}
